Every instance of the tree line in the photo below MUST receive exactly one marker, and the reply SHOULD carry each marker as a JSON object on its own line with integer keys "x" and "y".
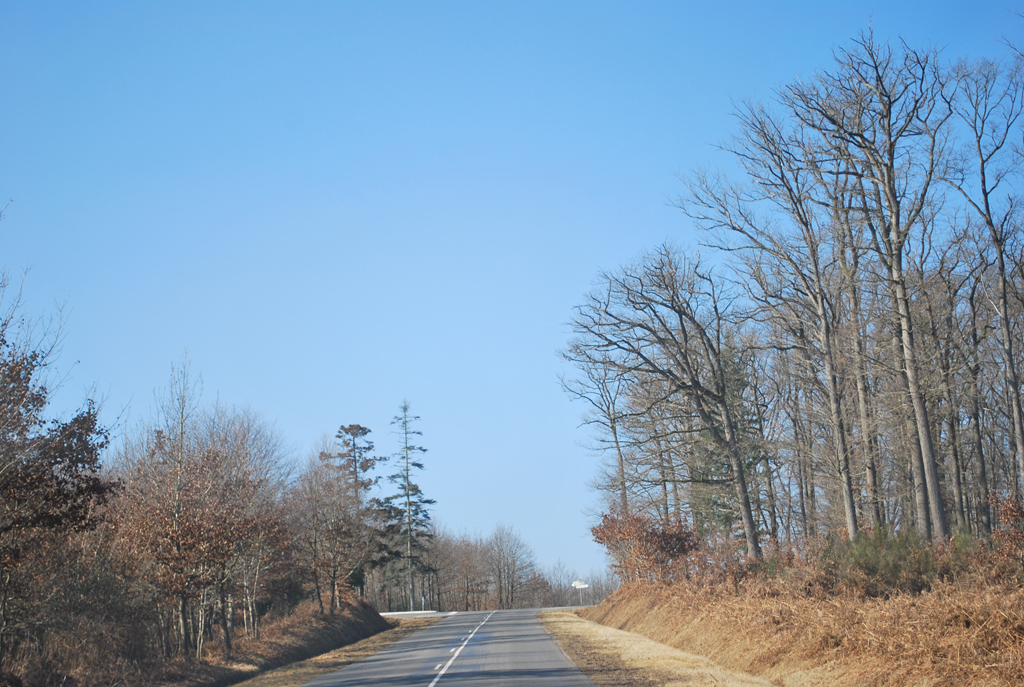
{"x": 463, "y": 572}
{"x": 221, "y": 533}
{"x": 195, "y": 529}
{"x": 190, "y": 532}
{"x": 845, "y": 353}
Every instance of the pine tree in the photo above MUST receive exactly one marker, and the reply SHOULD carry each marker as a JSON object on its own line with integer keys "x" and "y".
{"x": 409, "y": 504}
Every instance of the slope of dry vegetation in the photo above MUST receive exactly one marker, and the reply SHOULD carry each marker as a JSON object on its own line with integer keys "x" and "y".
{"x": 966, "y": 631}
{"x": 303, "y": 634}
{"x": 882, "y": 609}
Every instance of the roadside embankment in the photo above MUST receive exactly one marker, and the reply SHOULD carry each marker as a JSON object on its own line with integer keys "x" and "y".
{"x": 301, "y": 672}
{"x": 947, "y": 636}
{"x": 302, "y": 635}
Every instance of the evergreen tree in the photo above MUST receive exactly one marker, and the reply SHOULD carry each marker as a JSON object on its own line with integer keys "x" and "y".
{"x": 409, "y": 504}
{"x": 362, "y": 525}
{"x": 355, "y": 460}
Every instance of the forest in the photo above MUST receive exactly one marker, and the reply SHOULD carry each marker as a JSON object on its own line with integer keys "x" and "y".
{"x": 810, "y": 422}
{"x": 841, "y": 352}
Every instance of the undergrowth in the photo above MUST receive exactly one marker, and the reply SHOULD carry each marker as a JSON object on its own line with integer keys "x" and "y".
{"x": 881, "y": 609}
{"x": 879, "y": 564}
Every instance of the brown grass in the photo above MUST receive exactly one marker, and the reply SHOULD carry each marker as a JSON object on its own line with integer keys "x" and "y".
{"x": 615, "y": 658}
{"x": 949, "y": 636}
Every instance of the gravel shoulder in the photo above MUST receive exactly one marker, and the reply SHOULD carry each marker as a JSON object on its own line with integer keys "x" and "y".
{"x": 615, "y": 658}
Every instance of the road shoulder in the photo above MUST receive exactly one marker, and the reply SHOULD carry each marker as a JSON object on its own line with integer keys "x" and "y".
{"x": 615, "y": 658}
{"x": 296, "y": 674}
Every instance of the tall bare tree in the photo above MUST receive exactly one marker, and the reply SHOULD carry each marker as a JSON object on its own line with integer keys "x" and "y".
{"x": 883, "y": 113}
{"x": 988, "y": 104}
{"x": 666, "y": 317}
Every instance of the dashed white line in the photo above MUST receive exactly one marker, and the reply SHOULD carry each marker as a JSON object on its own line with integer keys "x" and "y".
{"x": 459, "y": 650}
{"x": 437, "y": 666}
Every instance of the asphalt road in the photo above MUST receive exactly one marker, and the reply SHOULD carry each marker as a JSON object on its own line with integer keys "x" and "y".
{"x": 503, "y": 648}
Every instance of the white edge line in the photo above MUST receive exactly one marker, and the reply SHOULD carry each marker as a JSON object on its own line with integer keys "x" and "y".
{"x": 459, "y": 650}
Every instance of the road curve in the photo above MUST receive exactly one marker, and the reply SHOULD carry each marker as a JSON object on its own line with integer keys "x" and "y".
{"x": 498, "y": 649}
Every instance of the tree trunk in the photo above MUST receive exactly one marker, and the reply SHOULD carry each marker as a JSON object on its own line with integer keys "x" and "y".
{"x": 740, "y": 485}
{"x": 842, "y": 452}
{"x": 922, "y": 520}
{"x": 186, "y": 644}
{"x": 1010, "y": 365}
{"x": 319, "y": 593}
{"x": 984, "y": 511}
{"x": 943, "y": 341}
{"x": 773, "y": 518}
{"x": 334, "y": 588}
{"x": 201, "y": 629}
{"x": 621, "y": 464}
{"x": 868, "y": 437}
{"x": 924, "y": 433}
{"x": 225, "y": 619}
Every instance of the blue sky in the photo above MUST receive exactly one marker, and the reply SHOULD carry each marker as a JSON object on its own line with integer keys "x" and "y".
{"x": 335, "y": 206}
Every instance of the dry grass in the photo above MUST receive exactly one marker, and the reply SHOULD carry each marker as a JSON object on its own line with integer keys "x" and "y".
{"x": 305, "y": 633}
{"x": 949, "y": 636}
{"x": 302, "y": 672}
{"x": 615, "y": 658}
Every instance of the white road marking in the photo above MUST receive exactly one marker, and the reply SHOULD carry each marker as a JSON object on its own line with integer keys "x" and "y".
{"x": 459, "y": 651}
{"x": 437, "y": 666}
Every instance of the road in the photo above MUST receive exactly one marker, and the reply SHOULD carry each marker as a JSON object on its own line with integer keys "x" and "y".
{"x": 488, "y": 649}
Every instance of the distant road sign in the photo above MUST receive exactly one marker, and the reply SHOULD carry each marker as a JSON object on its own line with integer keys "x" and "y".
{"x": 581, "y": 585}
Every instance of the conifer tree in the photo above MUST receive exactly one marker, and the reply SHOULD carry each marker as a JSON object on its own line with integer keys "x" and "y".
{"x": 409, "y": 503}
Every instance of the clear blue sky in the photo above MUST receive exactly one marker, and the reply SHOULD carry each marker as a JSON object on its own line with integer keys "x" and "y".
{"x": 335, "y": 206}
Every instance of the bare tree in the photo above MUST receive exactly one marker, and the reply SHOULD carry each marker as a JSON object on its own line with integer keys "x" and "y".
{"x": 599, "y": 386}
{"x": 666, "y": 317}
{"x": 883, "y": 114}
{"x": 989, "y": 103}
{"x": 512, "y": 566}
{"x": 785, "y": 248}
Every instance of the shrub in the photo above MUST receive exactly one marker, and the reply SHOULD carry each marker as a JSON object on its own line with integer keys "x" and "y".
{"x": 1009, "y": 538}
{"x": 878, "y": 564}
{"x": 643, "y": 549}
